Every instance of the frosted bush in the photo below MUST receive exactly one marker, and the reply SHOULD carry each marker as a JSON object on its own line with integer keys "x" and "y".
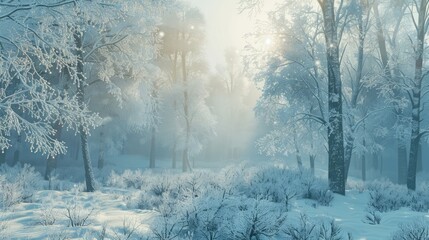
{"x": 155, "y": 192}
{"x": 372, "y": 216}
{"x": 414, "y": 230}
{"x": 323, "y": 196}
{"x": 316, "y": 189}
{"x": 18, "y": 184}
{"x": 232, "y": 180}
{"x": 128, "y": 179}
{"x": 281, "y": 185}
{"x": 273, "y": 184}
{"x": 143, "y": 200}
{"x": 10, "y": 194}
{"x": 168, "y": 224}
{"x": 208, "y": 216}
{"x": 59, "y": 234}
{"x": 420, "y": 199}
{"x": 385, "y": 196}
{"x": 129, "y": 230}
{"x": 331, "y": 231}
{"x": 4, "y": 228}
{"x": 76, "y": 213}
{"x": 256, "y": 219}
{"x": 47, "y": 215}
{"x": 303, "y": 230}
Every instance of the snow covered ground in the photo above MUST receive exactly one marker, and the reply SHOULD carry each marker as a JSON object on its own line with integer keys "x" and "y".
{"x": 277, "y": 203}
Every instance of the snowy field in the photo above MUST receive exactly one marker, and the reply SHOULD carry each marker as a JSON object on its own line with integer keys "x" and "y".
{"x": 236, "y": 202}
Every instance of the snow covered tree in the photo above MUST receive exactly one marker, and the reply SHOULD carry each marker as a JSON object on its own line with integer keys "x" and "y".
{"x": 192, "y": 120}
{"x": 31, "y": 54}
{"x": 287, "y": 54}
{"x": 336, "y": 174}
{"x": 112, "y": 39}
{"x": 390, "y": 82}
{"x": 420, "y": 16}
{"x": 232, "y": 98}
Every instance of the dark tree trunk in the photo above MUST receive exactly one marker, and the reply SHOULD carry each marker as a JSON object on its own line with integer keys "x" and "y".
{"x": 363, "y": 159}
{"x": 51, "y": 163}
{"x": 312, "y": 160}
{"x": 382, "y": 43}
{"x": 2, "y": 157}
{"x": 299, "y": 160}
{"x": 77, "y": 151}
{"x": 376, "y": 162}
{"x": 416, "y": 95}
{"x": 356, "y": 90}
{"x": 297, "y": 152}
{"x": 420, "y": 158}
{"x": 100, "y": 162}
{"x": 348, "y": 151}
{"x": 336, "y": 166}
{"x": 89, "y": 175}
{"x": 402, "y": 150}
{"x": 402, "y": 162}
{"x": 15, "y": 157}
{"x": 17, "y": 151}
{"x": 152, "y": 154}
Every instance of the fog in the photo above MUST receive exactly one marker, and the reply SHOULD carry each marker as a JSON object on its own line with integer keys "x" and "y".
{"x": 214, "y": 119}
{"x": 221, "y": 82}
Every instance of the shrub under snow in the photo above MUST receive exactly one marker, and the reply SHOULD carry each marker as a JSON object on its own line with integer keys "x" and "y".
{"x": 17, "y": 184}
{"x": 414, "y": 230}
{"x": 386, "y": 196}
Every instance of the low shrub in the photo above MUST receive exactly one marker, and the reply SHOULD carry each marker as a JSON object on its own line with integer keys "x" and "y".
{"x": 17, "y": 184}
{"x": 385, "y": 196}
{"x": 417, "y": 229}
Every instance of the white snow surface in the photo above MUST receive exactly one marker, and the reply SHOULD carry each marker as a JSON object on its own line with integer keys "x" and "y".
{"x": 111, "y": 208}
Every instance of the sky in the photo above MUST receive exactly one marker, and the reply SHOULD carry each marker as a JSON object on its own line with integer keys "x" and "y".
{"x": 225, "y": 27}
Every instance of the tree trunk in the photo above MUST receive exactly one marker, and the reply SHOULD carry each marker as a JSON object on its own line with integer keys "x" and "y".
{"x": 2, "y": 157}
{"x": 174, "y": 155}
{"x": 401, "y": 148}
{"x": 420, "y": 158}
{"x": 77, "y": 152}
{"x": 298, "y": 154}
{"x": 51, "y": 163}
{"x": 376, "y": 162}
{"x": 186, "y": 166}
{"x": 416, "y": 96}
{"x": 363, "y": 159}
{"x": 402, "y": 162}
{"x": 17, "y": 151}
{"x": 382, "y": 43}
{"x": 89, "y": 175}
{"x": 100, "y": 162}
{"x": 348, "y": 151}
{"x": 336, "y": 166}
{"x": 299, "y": 160}
{"x": 312, "y": 160}
{"x": 152, "y": 154}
